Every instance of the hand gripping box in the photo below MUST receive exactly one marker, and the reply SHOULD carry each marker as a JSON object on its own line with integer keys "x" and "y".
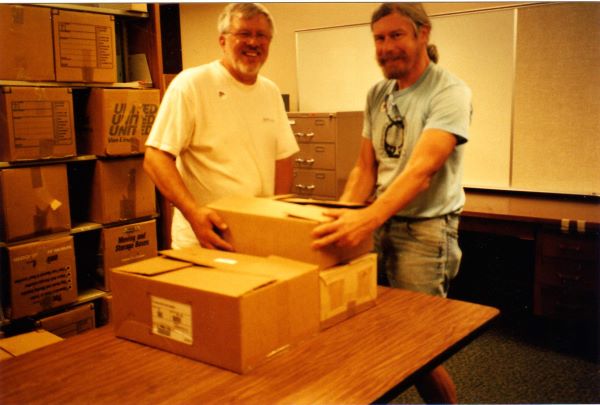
{"x": 36, "y": 123}
{"x": 263, "y": 227}
{"x": 348, "y": 289}
{"x": 230, "y": 310}
{"x": 118, "y": 121}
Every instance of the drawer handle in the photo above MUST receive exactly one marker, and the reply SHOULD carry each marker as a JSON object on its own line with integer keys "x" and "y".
{"x": 302, "y": 162}
{"x": 569, "y": 248}
{"x": 299, "y": 134}
{"x": 567, "y": 277}
{"x": 300, "y": 186}
{"x": 310, "y": 134}
{"x": 310, "y": 187}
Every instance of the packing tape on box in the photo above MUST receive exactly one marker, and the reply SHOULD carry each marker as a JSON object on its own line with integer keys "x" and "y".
{"x": 564, "y": 225}
{"x": 127, "y": 203}
{"x": 36, "y": 177}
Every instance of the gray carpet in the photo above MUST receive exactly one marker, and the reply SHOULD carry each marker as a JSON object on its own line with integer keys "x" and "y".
{"x": 525, "y": 362}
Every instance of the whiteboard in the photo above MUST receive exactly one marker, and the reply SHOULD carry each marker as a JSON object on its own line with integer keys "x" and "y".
{"x": 336, "y": 67}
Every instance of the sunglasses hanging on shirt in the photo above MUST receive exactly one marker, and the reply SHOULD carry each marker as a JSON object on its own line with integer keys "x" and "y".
{"x": 393, "y": 139}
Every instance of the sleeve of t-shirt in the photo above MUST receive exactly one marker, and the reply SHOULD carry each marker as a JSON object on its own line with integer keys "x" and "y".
{"x": 451, "y": 111}
{"x": 172, "y": 130}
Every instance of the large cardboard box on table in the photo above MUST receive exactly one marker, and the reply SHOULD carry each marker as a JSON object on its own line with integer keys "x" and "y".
{"x": 263, "y": 226}
{"x": 348, "y": 289}
{"x": 119, "y": 121}
{"x": 84, "y": 47}
{"x": 26, "y": 43}
{"x": 230, "y": 310}
{"x": 125, "y": 244}
{"x": 36, "y": 123}
{"x": 34, "y": 201}
{"x": 121, "y": 190}
{"x": 42, "y": 275}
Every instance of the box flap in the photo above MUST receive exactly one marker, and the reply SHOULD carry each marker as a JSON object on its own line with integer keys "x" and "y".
{"x": 276, "y": 267}
{"x": 322, "y": 203}
{"x": 269, "y": 208}
{"x": 152, "y": 266}
{"x": 26, "y": 342}
{"x": 217, "y": 259}
{"x": 224, "y": 282}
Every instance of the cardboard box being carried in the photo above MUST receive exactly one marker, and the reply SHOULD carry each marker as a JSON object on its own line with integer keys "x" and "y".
{"x": 26, "y": 43}
{"x": 262, "y": 227}
{"x": 42, "y": 276}
{"x": 34, "y": 201}
{"x": 348, "y": 289}
{"x": 120, "y": 245}
{"x": 26, "y": 342}
{"x": 36, "y": 123}
{"x": 121, "y": 190}
{"x": 84, "y": 47}
{"x": 226, "y": 309}
{"x": 71, "y": 322}
{"x": 119, "y": 121}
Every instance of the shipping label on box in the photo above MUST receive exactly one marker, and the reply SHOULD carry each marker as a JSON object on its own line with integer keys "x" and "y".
{"x": 26, "y": 43}
{"x": 119, "y": 121}
{"x": 121, "y": 190}
{"x": 36, "y": 123}
{"x": 42, "y": 276}
{"x": 285, "y": 230}
{"x": 348, "y": 289}
{"x": 226, "y": 309}
{"x": 84, "y": 47}
{"x": 34, "y": 201}
{"x": 121, "y": 245}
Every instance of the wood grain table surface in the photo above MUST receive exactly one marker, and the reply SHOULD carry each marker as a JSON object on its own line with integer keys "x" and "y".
{"x": 356, "y": 361}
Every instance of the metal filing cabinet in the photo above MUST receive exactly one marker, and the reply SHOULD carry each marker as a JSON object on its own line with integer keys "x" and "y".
{"x": 566, "y": 275}
{"x": 329, "y": 146}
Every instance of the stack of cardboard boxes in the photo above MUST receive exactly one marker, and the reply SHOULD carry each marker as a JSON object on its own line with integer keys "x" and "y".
{"x": 236, "y": 310}
{"x": 58, "y": 104}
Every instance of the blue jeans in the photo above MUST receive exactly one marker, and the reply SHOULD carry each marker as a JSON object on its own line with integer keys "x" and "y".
{"x": 418, "y": 254}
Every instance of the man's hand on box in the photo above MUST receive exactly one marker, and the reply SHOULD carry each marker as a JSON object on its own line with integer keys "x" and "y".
{"x": 347, "y": 229}
{"x": 208, "y": 227}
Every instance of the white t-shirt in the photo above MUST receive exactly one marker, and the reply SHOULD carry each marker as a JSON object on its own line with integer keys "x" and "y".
{"x": 225, "y": 135}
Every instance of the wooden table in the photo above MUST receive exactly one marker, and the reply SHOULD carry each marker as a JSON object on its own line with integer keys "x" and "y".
{"x": 364, "y": 359}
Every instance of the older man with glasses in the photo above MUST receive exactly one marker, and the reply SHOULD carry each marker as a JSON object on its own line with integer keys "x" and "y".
{"x": 221, "y": 130}
{"x": 416, "y": 124}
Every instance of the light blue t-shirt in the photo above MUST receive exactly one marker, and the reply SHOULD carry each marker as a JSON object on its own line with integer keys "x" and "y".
{"x": 437, "y": 100}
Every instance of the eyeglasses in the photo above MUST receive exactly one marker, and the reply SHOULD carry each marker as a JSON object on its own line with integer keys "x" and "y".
{"x": 393, "y": 147}
{"x": 247, "y": 36}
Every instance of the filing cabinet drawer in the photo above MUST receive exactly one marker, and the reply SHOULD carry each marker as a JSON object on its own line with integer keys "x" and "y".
{"x": 565, "y": 303}
{"x": 314, "y": 183}
{"x": 320, "y": 128}
{"x": 568, "y": 273}
{"x": 569, "y": 246}
{"x": 316, "y": 156}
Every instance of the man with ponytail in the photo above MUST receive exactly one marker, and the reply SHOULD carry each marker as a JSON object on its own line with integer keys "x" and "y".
{"x": 409, "y": 168}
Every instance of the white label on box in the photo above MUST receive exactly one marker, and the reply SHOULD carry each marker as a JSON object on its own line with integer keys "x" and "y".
{"x": 172, "y": 319}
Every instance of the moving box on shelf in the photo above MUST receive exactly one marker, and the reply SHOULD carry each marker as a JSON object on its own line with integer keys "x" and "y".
{"x": 36, "y": 123}
{"x": 42, "y": 275}
{"x": 84, "y": 47}
{"x": 26, "y": 43}
{"x": 118, "y": 121}
{"x": 34, "y": 201}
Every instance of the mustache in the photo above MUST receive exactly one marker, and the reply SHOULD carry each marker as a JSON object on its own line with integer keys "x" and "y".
{"x": 383, "y": 59}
